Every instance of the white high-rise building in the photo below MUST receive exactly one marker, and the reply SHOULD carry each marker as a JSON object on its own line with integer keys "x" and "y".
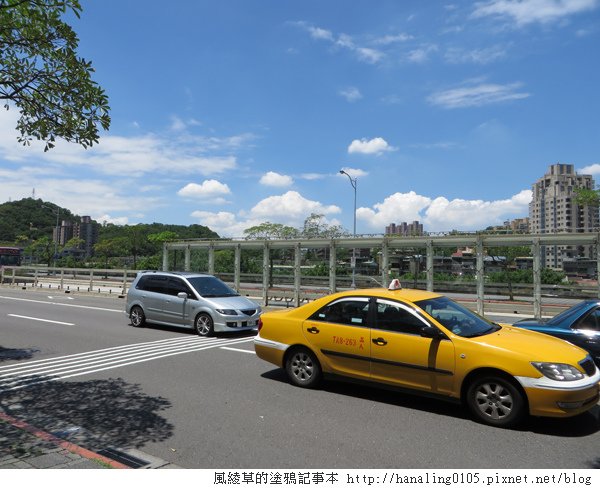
{"x": 554, "y": 209}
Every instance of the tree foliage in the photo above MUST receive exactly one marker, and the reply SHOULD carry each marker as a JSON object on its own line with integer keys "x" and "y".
{"x": 314, "y": 226}
{"x": 41, "y": 74}
{"x": 29, "y": 219}
{"x": 587, "y": 197}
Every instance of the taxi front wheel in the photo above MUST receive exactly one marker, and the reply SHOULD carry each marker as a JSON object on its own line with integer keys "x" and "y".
{"x": 303, "y": 368}
{"x": 495, "y": 400}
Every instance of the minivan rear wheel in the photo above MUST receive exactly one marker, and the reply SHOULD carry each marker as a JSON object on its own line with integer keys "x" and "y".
{"x": 204, "y": 325}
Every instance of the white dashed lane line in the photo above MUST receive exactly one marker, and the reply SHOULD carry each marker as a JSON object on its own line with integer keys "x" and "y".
{"x": 40, "y": 319}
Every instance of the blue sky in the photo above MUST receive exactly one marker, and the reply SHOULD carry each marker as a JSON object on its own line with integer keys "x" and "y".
{"x": 231, "y": 113}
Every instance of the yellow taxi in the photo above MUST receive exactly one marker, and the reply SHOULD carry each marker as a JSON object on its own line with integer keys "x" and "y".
{"x": 424, "y": 342}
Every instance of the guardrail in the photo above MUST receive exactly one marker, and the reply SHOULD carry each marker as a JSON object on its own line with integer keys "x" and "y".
{"x": 283, "y": 292}
{"x": 110, "y": 281}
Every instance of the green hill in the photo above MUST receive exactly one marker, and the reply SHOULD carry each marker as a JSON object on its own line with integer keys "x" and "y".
{"x": 27, "y": 220}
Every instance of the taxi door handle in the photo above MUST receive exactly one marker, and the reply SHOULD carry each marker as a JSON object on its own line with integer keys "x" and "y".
{"x": 313, "y": 330}
{"x": 380, "y": 341}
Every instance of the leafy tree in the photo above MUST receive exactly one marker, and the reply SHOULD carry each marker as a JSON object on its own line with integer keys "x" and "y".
{"x": 587, "y": 197}
{"x": 42, "y": 248}
{"x": 74, "y": 242}
{"x": 270, "y": 231}
{"x": 41, "y": 74}
{"x": 163, "y": 236}
{"x": 112, "y": 247}
{"x": 316, "y": 227}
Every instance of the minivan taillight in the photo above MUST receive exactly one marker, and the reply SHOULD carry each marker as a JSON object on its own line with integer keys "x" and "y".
{"x": 260, "y": 323}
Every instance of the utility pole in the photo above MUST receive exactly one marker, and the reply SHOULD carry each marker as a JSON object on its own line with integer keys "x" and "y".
{"x": 353, "y": 183}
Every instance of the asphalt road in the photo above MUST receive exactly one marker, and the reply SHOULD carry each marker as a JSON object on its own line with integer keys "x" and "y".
{"x": 88, "y": 375}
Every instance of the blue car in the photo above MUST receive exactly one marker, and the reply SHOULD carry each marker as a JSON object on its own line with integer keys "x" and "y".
{"x": 579, "y": 325}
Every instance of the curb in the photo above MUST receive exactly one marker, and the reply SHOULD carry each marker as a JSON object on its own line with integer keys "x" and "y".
{"x": 61, "y": 443}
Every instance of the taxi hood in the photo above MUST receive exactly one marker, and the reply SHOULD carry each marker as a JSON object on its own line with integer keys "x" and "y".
{"x": 533, "y": 346}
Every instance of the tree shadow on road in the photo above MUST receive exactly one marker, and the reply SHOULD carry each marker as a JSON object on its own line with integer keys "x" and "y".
{"x": 93, "y": 414}
{"x": 8, "y": 354}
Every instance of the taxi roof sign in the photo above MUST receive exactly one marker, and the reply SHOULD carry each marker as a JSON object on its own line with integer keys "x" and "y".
{"x": 394, "y": 285}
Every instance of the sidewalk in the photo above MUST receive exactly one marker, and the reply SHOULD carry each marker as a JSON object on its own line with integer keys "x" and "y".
{"x": 23, "y": 446}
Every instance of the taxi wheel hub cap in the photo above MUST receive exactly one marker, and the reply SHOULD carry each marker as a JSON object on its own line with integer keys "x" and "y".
{"x": 302, "y": 367}
{"x": 494, "y": 400}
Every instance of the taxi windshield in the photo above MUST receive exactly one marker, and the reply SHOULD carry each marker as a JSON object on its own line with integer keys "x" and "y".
{"x": 456, "y": 318}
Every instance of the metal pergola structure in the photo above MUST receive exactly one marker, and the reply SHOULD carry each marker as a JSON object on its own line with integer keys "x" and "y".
{"x": 477, "y": 241}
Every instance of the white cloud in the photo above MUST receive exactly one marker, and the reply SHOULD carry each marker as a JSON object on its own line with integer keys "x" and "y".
{"x": 313, "y": 176}
{"x": 209, "y": 189}
{"x": 446, "y": 215}
{"x": 524, "y": 12}
{"x": 351, "y": 94}
{"x": 222, "y": 222}
{"x": 353, "y": 172}
{"x": 273, "y": 179}
{"x": 130, "y": 156}
{"x": 394, "y": 209}
{"x": 476, "y": 96}
{"x": 290, "y": 208}
{"x": 375, "y": 146}
{"x": 421, "y": 55}
{"x": 107, "y": 218}
{"x": 442, "y": 214}
{"x": 479, "y": 56}
{"x": 593, "y": 169}
{"x": 319, "y": 33}
{"x": 391, "y": 39}
{"x": 369, "y": 55}
{"x": 344, "y": 41}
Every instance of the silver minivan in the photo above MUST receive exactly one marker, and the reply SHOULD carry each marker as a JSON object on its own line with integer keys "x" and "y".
{"x": 191, "y": 300}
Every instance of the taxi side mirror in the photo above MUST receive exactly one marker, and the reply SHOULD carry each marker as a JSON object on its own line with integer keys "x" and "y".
{"x": 432, "y": 332}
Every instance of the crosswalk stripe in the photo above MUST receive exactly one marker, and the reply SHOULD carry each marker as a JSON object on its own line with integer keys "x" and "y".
{"x": 73, "y": 358}
{"x": 95, "y": 361}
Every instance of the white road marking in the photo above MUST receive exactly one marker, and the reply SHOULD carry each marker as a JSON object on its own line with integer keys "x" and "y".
{"x": 239, "y": 350}
{"x": 63, "y": 304}
{"x": 40, "y": 319}
{"x": 21, "y": 375}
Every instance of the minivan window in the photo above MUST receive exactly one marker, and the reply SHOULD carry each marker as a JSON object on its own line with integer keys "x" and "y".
{"x": 211, "y": 287}
{"x": 176, "y": 286}
{"x": 155, "y": 284}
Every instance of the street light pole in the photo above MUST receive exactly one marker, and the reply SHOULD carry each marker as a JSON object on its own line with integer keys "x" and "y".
{"x": 56, "y": 211}
{"x": 353, "y": 183}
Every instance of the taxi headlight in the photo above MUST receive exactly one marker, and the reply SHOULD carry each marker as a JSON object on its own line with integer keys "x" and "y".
{"x": 557, "y": 371}
{"x": 227, "y": 312}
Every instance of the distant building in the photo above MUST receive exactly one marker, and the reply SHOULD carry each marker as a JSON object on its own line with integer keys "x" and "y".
{"x": 86, "y": 230}
{"x": 519, "y": 225}
{"x": 555, "y": 210}
{"x": 404, "y": 229}
{"x": 63, "y": 233}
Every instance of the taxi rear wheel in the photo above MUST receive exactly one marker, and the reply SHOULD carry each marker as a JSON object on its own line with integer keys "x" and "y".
{"x": 303, "y": 368}
{"x": 495, "y": 400}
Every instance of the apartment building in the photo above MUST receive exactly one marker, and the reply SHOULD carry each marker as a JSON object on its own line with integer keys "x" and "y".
{"x": 554, "y": 209}
{"x": 405, "y": 229}
{"x": 86, "y": 230}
